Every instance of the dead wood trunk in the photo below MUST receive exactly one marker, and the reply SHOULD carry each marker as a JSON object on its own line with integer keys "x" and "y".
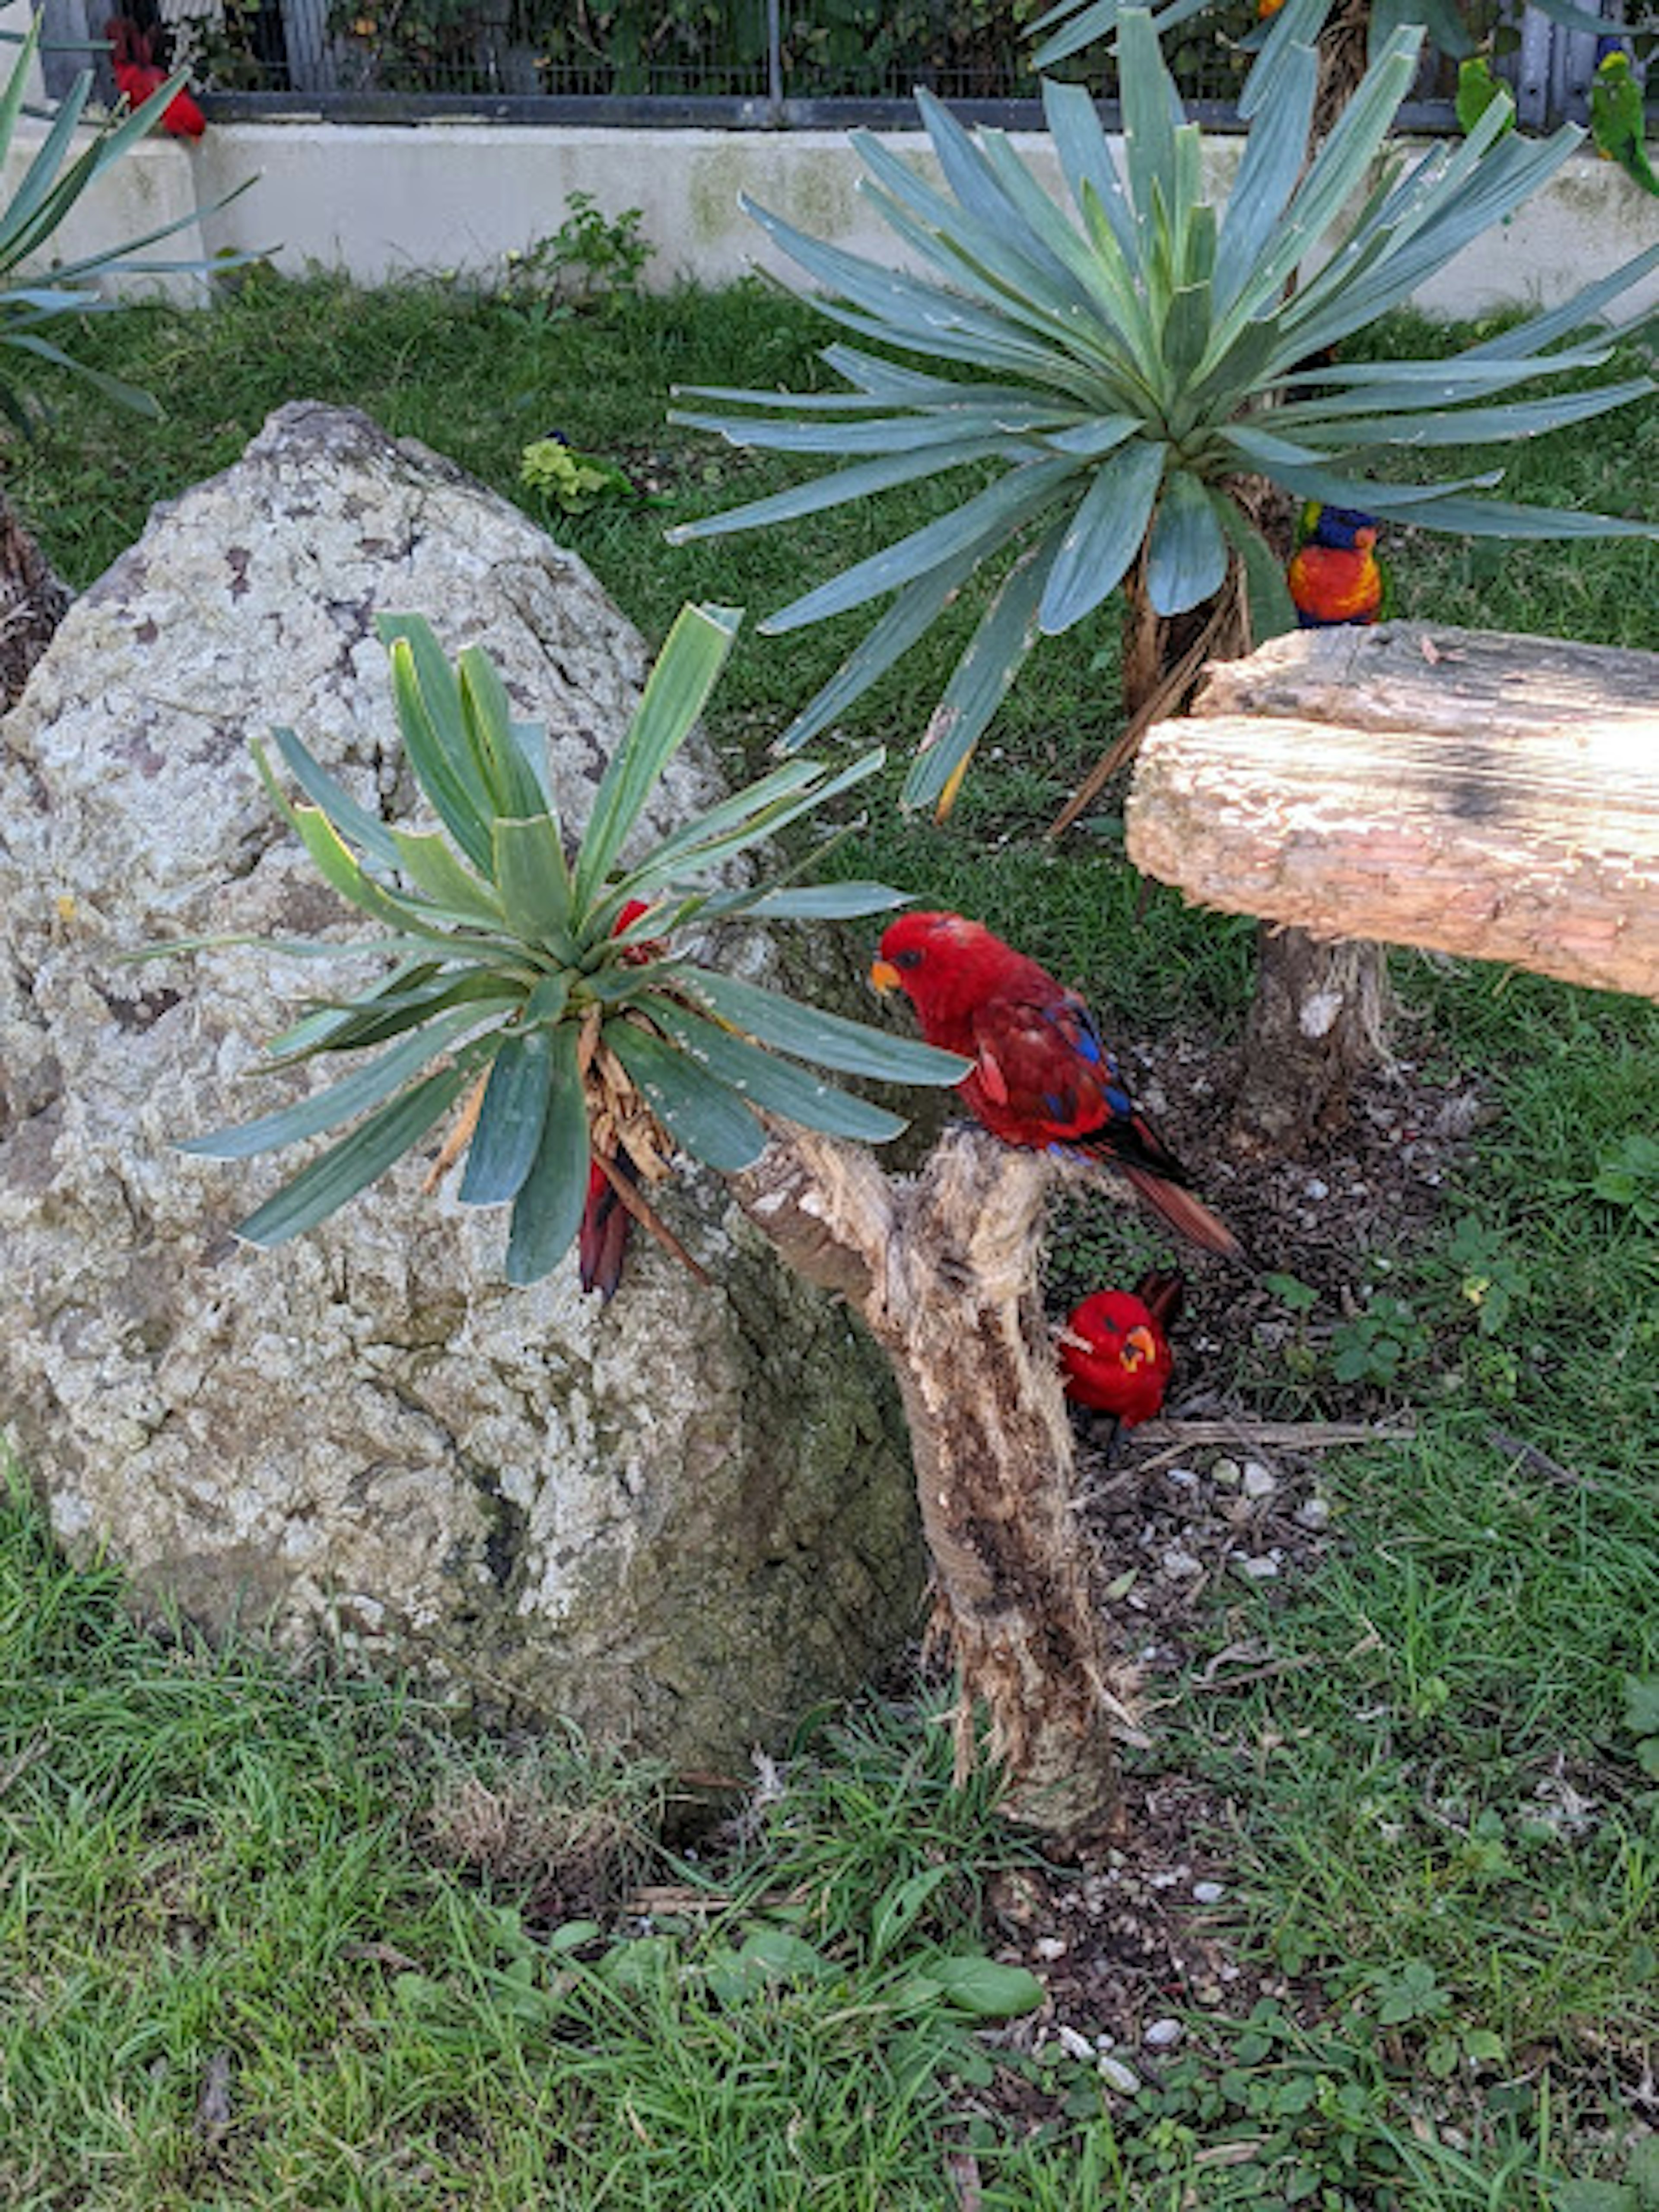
{"x": 943, "y": 1269}
{"x": 1459, "y": 790}
{"x": 1318, "y": 1021}
{"x": 34, "y": 600}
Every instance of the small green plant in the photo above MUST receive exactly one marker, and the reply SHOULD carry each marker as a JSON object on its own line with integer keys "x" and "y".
{"x": 591, "y": 261}
{"x": 1299, "y": 1299}
{"x": 1490, "y": 1282}
{"x": 1642, "y": 1719}
{"x": 1376, "y": 1344}
{"x": 1629, "y": 1177}
{"x": 569, "y": 483}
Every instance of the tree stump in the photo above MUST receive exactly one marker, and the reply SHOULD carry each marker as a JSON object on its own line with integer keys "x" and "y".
{"x": 942, "y": 1268}
{"x": 1459, "y": 790}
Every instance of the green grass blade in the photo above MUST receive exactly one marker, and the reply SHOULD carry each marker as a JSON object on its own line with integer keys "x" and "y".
{"x": 356, "y": 1162}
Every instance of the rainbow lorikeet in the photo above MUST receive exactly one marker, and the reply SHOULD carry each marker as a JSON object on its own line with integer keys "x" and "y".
{"x": 1042, "y": 1076}
{"x": 1618, "y": 119}
{"x": 1477, "y": 88}
{"x": 1335, "y": 574}
{"x": 1115, "y": 1349}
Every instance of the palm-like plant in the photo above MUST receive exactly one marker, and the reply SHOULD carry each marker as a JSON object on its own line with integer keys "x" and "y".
{"x": 521, "y": 991}
{"x": 1452, "y": 28}
{"x": 33, "y": 305}
{"x": 1125, "y": 367}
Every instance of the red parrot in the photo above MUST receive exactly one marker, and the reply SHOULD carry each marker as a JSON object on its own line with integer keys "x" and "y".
{"x": 1115, "y": 1349}
{"x": 1041, "y": 1077}
{"x": 602, "y": 1239}
{"x": 133, "y": 57}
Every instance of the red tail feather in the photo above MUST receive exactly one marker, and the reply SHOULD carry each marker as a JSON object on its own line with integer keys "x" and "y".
{"x": 1187, "y": 1215}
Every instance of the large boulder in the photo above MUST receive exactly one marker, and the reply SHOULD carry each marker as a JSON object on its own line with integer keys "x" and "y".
{"x": 677, "y": 1520}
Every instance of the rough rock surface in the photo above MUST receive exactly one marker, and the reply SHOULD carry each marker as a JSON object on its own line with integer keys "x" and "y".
{"x": 677, "y": 1520}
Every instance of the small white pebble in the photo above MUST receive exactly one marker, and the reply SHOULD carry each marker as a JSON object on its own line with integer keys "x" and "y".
{"x": 1116, "y": 2075}
{"x": 1315, "y": 1513}
{"x": 1077, "y": 2046}
{"x": 1182, "y": 1477}
{"x": 1163, "y": 2034}
{"x": 1208, "y": 1892}
{"x": 1225, "y": 1472}
{"x": 1257, "y": 1571}
{"x": 1315, "y": 1187}
{"x": 1051, "y": 1947}
{"x": 1257, "y": 1481}
{"x": 1179, "y": 1564}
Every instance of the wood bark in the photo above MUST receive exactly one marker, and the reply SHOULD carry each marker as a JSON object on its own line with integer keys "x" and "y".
{"x": 1459, "y": 790}
{"x": 943, "y": 1270}
{"x": 1318, "y": 1020}
{"x": 34, "y": 600}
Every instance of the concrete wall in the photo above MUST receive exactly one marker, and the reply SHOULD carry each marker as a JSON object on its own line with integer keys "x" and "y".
{"x": 383, "y": 200}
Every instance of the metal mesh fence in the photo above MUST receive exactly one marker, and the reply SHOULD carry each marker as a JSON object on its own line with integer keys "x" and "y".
{"x": 756, "y": 63}
{"x": 776, "y": 56}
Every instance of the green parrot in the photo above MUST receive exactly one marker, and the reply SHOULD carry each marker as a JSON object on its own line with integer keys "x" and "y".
{"x": 1477, "y": 88}
{"x": 1618, "y": 120}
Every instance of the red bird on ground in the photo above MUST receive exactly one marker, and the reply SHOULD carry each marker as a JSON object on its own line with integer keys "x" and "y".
{"x": 1115, "y": 1349}
{"x": 132, "y": 54}
{"x": 1041, "y": 1075}
{"x": 602, "y": 1239}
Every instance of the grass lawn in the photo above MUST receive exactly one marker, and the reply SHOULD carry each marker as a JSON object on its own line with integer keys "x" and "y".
{"x": 277, "y": 1939}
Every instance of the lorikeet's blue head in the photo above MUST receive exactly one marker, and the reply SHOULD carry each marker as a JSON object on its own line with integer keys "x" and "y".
{"x": 1337, "y": 527}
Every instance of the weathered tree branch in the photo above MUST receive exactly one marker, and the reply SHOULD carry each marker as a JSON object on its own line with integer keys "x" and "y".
{"x": 943, "y": 1270}
{"x": 1461, "y": 790}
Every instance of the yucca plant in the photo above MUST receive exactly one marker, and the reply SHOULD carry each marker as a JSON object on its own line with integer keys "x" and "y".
{"x": 1350, "y": 34}
{"x": 35, "y": 300}
{"x": 1122, "y": 369}
{"x": 540, "y": 993}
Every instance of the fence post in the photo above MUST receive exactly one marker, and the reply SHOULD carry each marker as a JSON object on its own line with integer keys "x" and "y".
{"x": 775, "y": 63}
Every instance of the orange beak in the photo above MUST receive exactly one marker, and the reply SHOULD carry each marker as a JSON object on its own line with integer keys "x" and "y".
{"x": 1137, "y": 1346}
{"x": 883, "y": 976}
{"x": 1365, "y": 539}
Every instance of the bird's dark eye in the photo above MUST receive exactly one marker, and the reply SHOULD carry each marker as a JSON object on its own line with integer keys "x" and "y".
{"x": 907, "y": 960}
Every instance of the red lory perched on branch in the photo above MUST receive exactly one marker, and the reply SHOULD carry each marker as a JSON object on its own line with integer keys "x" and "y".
{"x": 602, "y": 1239}
{"x": 1115, "y": 1351}
{"x": 1042, "y": 1076}
{"x": 1335, "y": 574}
{"x": 138, "y": 73}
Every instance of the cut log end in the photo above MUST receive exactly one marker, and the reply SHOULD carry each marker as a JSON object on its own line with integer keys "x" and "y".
{"x": 1461, "y": 791}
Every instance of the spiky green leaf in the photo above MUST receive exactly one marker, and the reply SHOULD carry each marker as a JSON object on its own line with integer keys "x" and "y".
{"x": 507, "y": 1138}
{"x": 808, "y": 1033}
{"x": 548, "y": 1210}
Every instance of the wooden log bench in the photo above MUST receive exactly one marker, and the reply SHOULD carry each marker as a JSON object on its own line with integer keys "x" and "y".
{"x": 1462, "y": 791}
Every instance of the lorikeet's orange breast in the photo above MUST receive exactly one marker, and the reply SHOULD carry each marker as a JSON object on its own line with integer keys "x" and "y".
{"x": 1332, "y": 585}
